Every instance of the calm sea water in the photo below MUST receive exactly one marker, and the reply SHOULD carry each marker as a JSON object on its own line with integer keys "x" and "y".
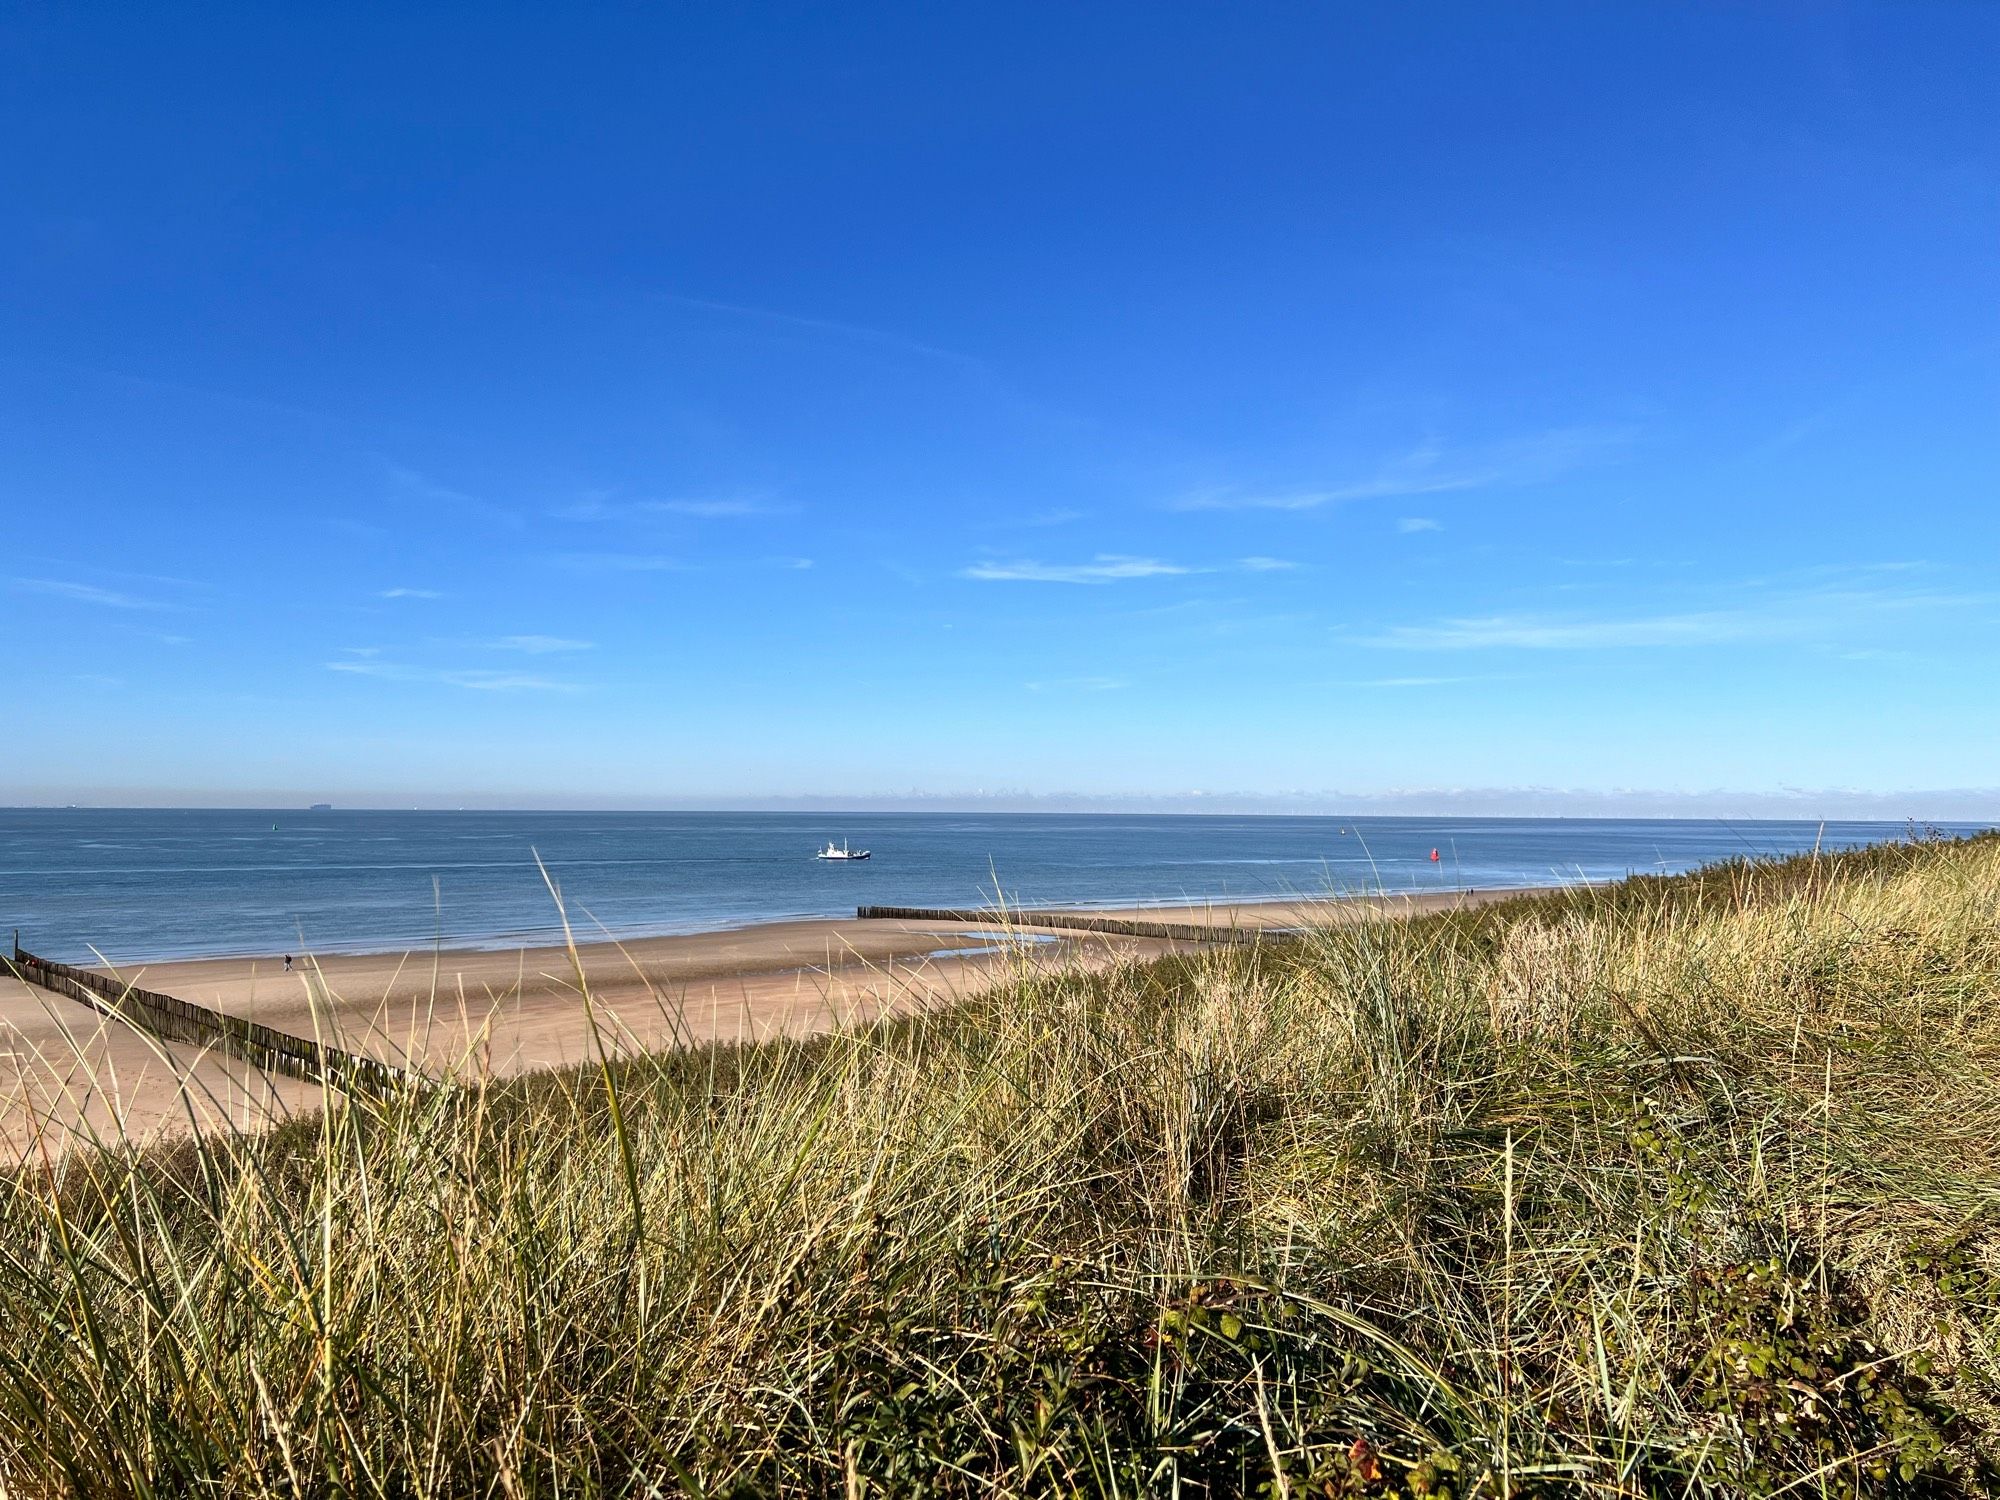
{"x": 158, "y": 884}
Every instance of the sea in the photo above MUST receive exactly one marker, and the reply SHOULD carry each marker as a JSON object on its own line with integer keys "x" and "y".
{"x": 144, "y": 884}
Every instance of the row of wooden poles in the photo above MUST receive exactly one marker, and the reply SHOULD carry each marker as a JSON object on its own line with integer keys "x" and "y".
{"x": 172, "y": 1019}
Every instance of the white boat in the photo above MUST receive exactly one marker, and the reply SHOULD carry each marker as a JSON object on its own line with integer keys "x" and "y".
{"x": 843, "y": 852}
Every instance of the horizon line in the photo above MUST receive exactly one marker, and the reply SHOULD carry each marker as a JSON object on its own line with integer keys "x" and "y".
{"x": 1107, "y": 807}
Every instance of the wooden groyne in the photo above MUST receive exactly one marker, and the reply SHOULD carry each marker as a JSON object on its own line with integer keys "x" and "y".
{"x": 1179, "y": 932}
{"x": 172, "y": 1019}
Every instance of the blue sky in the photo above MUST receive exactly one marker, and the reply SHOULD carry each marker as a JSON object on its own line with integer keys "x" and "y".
{"x": 680, "y": 404}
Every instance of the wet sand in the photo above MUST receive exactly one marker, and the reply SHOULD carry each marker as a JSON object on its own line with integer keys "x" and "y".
{"x": 493, "y": 1013}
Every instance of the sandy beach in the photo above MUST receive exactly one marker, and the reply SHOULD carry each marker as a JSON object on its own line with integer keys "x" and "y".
{"x": 503, "y": 1012}
{"x": 500, "y": 1012}
{"x": 66, "y": 1069}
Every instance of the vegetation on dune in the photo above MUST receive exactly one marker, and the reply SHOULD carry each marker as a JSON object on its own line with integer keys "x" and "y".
{"x": 1682, "y": 1187}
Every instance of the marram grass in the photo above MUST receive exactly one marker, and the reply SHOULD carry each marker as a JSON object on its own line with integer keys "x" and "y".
{"x": 1686, "y": 1187}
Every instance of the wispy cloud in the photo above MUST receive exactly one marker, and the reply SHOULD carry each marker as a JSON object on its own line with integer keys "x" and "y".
{"x": 602, "y": 508}
{"x": 1000, "y": 516}
{"x": 475, "y": 679}
{"x": 402, "y": 593}
{"x": 1110, "y": 567}
{"x": 712, "y": 508}
{"x": 1541, "y": 632}
{"x": 1432, "y": 469}
{"x": 84, "y": 593}
{"x": 1536, "y": 632}
{"x": 1314, "y": 499}
{"x": 855, "y": 333}
{"x": 1076, "y": 685}
{"x": 1106, "y": 567}
{"x": 1410, "y": 525}
{"x": 538, "y": 645}
{"x": 1407, "y": 682}
{"x": 1774, "y": 616}
{"x": 415, "y": 485}
{"x": 620, "y": 562}
{"x": 47, "y": 563}
{"x": 660, "y": 562}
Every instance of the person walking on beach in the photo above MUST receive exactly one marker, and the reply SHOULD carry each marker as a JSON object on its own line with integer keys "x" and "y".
{"x": 288, "y": 963}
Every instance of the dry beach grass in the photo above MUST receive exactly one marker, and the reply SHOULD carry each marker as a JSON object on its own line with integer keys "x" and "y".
{"x": 1685, "y": 1186}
